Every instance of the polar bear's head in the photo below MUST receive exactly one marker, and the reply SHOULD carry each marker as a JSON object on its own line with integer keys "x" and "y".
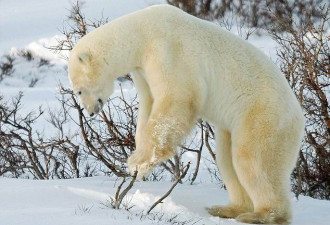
{"x": 90, "y": 80}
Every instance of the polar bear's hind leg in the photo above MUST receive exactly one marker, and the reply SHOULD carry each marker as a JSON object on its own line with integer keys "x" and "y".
{"x": 263, "y": 157}
{"x": 240, "y": 202}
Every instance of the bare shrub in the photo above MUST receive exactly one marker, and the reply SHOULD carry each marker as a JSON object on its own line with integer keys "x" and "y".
{"x": 25, "y": 65}
{"x": 304, "y": 59}
{"x": 16, "y": 137}
{"x": 109, "y": 137}
{"x": 253, "y": 13}
{"x": 24, "y": 150}
{"x": 76, "y": 26}
{"x": 6, "y": 67}
{"x": 28, "y": 55}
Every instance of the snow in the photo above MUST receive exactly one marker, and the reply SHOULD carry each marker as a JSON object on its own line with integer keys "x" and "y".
{"x": 81, "y": 201}
{"x": 33, "y": 24}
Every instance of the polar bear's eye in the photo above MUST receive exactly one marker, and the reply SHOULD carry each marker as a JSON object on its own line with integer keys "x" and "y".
{"x": 79, "y": 92}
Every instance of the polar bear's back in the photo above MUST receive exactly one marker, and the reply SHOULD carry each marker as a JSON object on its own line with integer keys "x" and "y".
{"x": 203, "y": 42}
{"x": 227, "y": 64}
{"x": 213, "y": 50}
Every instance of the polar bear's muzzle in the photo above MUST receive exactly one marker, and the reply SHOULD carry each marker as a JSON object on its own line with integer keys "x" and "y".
{"x": 98, "y": 106}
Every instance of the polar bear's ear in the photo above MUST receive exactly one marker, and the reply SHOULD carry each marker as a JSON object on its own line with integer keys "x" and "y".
{"x": 85, "y": 57}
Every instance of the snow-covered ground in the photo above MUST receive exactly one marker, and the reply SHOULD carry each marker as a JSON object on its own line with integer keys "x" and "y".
{"x": 33, "y": 24}
{"x": 82, "y": 201}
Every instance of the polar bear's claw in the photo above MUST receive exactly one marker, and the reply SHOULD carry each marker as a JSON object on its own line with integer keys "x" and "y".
{"x": 143, "y": 167}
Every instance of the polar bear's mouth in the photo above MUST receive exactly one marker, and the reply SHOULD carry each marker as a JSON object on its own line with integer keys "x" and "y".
{"x": 98, "y": 106}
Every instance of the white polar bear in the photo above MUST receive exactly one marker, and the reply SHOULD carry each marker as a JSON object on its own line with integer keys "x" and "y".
{"x": 185, "y": 68}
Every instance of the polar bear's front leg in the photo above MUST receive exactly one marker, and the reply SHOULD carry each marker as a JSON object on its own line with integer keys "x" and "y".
{"x": 169, "y": 122}
{"x": 145, "y": 105}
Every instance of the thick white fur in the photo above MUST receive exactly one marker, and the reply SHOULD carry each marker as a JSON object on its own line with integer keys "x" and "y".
{"x": 185, "y": 68}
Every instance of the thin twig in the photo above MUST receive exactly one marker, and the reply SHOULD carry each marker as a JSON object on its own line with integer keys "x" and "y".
{"x": 123, "y": 194}
{"x": 185, "y": 170}
{"x": 199, "y": 154}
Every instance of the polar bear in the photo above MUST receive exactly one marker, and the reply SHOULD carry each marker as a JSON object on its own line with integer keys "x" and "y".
{"x": 185, "y": 68}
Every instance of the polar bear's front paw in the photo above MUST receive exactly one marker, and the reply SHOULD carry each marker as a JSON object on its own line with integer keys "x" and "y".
{"x": 143, "y": 167}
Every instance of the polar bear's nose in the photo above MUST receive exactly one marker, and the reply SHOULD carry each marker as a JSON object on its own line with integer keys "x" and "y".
{"x": 98, "y": 106}
{"x": 92, "y": 114}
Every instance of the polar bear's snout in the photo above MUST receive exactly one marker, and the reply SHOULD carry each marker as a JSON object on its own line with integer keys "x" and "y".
{"x": 97, "y": 107}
